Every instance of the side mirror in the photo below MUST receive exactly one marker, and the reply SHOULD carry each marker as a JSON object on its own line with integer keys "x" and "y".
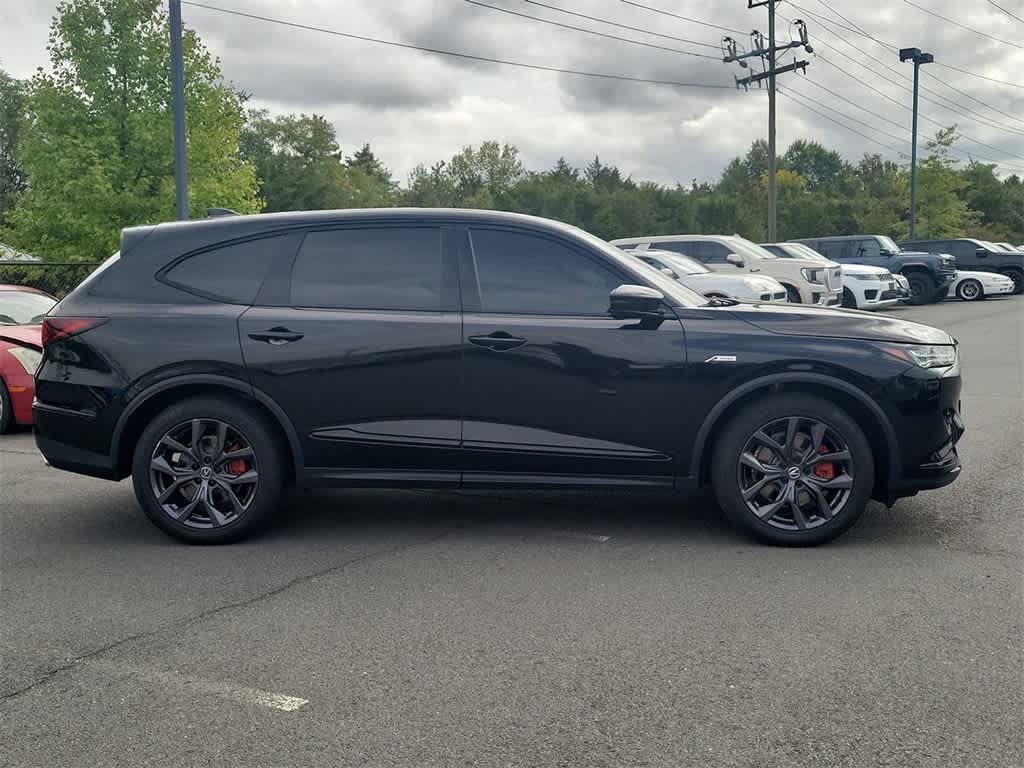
{"x": 631, "y": 302}
{"x": 735, "y": 259}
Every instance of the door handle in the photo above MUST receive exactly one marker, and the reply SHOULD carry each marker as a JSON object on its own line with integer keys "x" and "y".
{"x": 499, "y": 341}
{"x": 276, "y": 336}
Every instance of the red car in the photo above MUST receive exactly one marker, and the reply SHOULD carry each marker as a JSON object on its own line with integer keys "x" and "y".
{"x": 21, "y": 347}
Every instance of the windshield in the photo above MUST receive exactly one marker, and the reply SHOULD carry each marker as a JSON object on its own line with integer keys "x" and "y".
{"x": 683, "y": 265}
{"x": 672, "y": 289}
{"x": 743, "y": 247}
{"x": 887, "y": 244}
{"x": 24, "y": 308}
{"x": 800, "y": 251}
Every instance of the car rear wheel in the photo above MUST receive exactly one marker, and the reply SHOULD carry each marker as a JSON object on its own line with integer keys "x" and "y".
{"x": 207, "y": 471}
{"x": 970, "y": 290}
{"x": 922, "y": 288}
{"x": 6, "y": 410}
{"x": 1018, "y": 279}
{"x": 793, "y": 469}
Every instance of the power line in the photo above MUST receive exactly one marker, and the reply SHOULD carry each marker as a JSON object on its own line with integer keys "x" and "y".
{"x": 962, "y": 26}
{"x": 621, "y": 26}
{"x": 458, "y": 54}
{"x": 1008, "y": 13}
{"x": 799, "y": 100}
{"x": 894, "y": 47}
{"x": 684, "y": 18}
{"x": 605, "y": 35}
{"x": 946, "y": 103}
{"x": 854, "y": 104}
{"x": 852, "y": 118}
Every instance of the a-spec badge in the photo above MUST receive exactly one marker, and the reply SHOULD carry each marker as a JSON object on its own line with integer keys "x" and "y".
{"x": 721, "y": 359}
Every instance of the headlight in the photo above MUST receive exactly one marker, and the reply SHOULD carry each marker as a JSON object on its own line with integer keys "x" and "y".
{"x": 29, "y": 358}
{"x": 928, "y": 355}
{"x": 816, "y": 276}
{"x": 872, "y": 278}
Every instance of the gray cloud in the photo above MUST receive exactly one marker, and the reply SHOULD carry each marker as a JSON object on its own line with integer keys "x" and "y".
{"x": 416, "y": 107}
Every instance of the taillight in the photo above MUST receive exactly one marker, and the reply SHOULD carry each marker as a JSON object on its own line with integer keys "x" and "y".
{"x": 56, "y": 328}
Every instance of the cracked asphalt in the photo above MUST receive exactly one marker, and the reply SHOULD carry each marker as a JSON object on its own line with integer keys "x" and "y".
{"x": 443, "y": 629}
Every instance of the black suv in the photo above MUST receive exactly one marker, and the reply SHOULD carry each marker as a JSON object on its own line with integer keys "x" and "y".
{"x": 977, "y": 255}
{"x": 219, "y": 361}
{"x": 929, "y": 274}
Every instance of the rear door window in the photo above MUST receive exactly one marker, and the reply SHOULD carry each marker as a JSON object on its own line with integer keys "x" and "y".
{"x": 397, "y": 268}
{"x": 230, "y": 273}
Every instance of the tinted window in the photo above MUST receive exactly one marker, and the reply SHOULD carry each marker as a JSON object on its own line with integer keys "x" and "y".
{"x": 963, "y": 248}
{"x": 867, "y": 249}
{"x": 835, "y": 250}
{"x": 714, "y": 253}
{"x": 394, "y": 268}
{"x": 233, "y": 273}
{"x": 691, "y": 248}
{"x": 527, "y": 274}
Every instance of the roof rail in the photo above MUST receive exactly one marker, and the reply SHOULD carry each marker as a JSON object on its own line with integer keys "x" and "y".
{"x": 212, "y": 212}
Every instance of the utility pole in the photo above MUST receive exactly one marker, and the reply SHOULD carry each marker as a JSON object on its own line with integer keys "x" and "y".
{"x": 767, "y": 54}
{"x": 919, "y": 58}
{"x": 178, "y": 111}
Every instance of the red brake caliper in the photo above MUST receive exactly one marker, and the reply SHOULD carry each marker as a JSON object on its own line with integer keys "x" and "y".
{"x": 826, "y": 470}
{"x": 236, "y": 466}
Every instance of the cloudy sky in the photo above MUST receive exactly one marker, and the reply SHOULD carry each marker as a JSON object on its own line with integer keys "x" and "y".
{"x": 420, "y": 107}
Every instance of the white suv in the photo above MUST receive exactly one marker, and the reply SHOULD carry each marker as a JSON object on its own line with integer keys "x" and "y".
{"x": 807, "y": 282}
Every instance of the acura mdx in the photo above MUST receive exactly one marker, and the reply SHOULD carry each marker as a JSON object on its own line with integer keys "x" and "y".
{"x": 217, "y": 362}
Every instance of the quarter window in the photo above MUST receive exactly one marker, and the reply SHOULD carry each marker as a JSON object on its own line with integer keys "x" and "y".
{"x": 387, "y": 268}
{"x": 526, "y": 274}
{"x": 231, "y": 273}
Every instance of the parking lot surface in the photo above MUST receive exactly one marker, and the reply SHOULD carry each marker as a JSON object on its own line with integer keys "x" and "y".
{"x": 443, "y": 629}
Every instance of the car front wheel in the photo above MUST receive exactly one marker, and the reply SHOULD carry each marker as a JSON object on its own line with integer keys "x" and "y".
{"x": 793, "y": 469}
{"x": 922, "y": 288}
{"x": 207, "y": 471}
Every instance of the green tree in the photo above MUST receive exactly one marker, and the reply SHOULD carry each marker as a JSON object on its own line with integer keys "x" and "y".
{"x": 300, "y": 167}
{"x": 942, "y": 210}
{"x": 96, "y": 146}
{"x": 12, "y": 178}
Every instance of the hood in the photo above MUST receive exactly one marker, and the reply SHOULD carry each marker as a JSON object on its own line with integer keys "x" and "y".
{"x": 827, "y": 322}
{"x": 863, "y": 269}
{"x": 32, "y": 335}
{"x": 763, "y": 284}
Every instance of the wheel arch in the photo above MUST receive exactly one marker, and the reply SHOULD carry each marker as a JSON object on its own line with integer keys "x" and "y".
{"x": 868, "y": 414}
{"x": 155, "y": 398}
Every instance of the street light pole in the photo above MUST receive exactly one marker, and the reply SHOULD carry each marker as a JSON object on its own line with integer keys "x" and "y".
{"x": 915, "y": 55}
{"x": 178, "y": 111}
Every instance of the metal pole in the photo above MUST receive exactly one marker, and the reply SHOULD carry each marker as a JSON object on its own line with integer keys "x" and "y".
{"x": 913, "y": 154}
{"x": 771, "y": 121}
{"x": 178, "y": 110}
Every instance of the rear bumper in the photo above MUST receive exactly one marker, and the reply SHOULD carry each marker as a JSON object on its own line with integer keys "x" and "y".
{"x": 55, "y": 428}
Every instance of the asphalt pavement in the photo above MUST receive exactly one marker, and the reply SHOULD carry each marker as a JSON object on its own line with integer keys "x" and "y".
{"x": 447, "y": 629}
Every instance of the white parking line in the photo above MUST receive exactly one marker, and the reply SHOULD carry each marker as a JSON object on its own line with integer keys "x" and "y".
{"x": 587, "y": 536}
{"x": 238, "y": 693}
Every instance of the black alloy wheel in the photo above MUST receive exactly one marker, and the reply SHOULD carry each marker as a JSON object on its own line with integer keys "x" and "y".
{"x": 209, "y": 470}
{"x": 795, "y": 473}
{"x": 922, "y": 288}
{"x": 792, "y": 469}
{"x": 204, "y": 473}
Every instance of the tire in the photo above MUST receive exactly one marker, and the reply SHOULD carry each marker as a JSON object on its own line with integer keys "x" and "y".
{"x": 922, "y": 288}
{"x": 840, "y": 436}
{"x": 849, "y": 300}
{"x": 246, "y": 468}
{"x": 6, "y": 410}
{"x": 792, "y": 295}
{"x": 1018, "y": 280}
{"x": 970, "y": 290}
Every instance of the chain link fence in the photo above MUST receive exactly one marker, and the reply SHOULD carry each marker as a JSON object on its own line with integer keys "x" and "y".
{"x": 56, "y": 278}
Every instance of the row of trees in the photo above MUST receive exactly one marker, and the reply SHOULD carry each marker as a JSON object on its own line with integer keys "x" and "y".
{"x": 85, "y": 149}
